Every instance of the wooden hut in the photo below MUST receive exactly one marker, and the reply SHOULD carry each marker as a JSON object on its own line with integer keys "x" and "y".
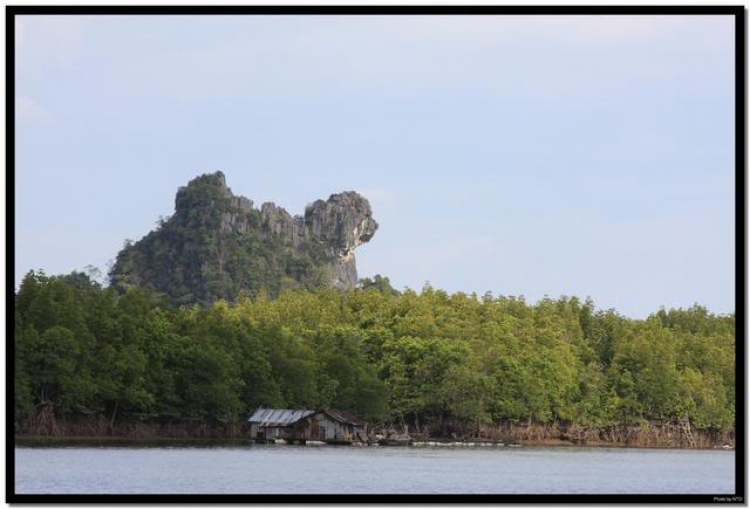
{"x": 270, "y": 424}
{"x": 330, "y": 426}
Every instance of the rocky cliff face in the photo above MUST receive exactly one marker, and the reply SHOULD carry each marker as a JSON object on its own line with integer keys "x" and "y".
{"x": 339, "y": 224}
{"x": 217, "y": 243}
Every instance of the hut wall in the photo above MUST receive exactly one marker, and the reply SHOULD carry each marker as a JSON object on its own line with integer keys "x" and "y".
{"x": 331, "y": 429}
{"x": 274, "y": 431}
{"x": 266, "y": 431}
{"x": 320, "y": 426}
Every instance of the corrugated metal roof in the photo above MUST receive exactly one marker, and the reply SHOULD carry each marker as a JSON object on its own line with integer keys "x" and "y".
{"x": 277, "y": 416}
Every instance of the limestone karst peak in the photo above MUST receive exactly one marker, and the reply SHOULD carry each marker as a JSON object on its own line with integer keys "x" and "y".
{"x": 217, "y": 244}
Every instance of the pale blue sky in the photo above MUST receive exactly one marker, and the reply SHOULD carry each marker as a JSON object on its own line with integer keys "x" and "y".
{"x": 578, "y": 155}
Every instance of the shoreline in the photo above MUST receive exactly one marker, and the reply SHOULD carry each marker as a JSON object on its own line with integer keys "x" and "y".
{"x": 42, "y": 441}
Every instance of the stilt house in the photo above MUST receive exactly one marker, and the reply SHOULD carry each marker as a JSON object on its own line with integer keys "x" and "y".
{"x": 331, "y": 426}
{"x": 273, "y": 423}
{"x": 324, "y": 425}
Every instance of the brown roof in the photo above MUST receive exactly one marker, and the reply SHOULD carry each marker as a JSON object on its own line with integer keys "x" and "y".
{"x": 342, "y": 417}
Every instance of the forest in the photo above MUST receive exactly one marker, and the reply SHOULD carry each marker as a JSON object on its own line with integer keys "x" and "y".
{"x": 424, "y": 358}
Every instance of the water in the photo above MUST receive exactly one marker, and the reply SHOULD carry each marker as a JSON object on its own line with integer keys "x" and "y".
{"x": 332, "y": 470}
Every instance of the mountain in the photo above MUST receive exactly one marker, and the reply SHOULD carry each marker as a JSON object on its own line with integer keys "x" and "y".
{"x": 217, "y": 244}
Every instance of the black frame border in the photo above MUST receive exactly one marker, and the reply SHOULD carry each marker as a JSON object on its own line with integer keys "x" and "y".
{"x": 739, "y": 14}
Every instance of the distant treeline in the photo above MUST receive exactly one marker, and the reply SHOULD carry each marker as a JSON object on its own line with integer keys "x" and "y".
{"x": 420, "y": 358}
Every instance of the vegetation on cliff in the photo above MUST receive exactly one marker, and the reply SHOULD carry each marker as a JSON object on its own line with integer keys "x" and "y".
{"x": 415, "y": 357}
{"x": 217, "y": 244}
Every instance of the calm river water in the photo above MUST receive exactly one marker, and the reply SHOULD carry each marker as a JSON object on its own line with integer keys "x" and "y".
{"x": 295, "y": 469}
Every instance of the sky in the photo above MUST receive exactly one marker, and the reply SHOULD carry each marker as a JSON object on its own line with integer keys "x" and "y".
{"x": 521, "y": 155}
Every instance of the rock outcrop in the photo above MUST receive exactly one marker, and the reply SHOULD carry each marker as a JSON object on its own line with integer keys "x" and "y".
{"x": 217, "y": 243}
{"x": 341, "y": 223}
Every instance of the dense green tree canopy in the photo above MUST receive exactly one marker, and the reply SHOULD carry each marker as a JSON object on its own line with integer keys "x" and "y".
{"x": 414, "y": 357}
